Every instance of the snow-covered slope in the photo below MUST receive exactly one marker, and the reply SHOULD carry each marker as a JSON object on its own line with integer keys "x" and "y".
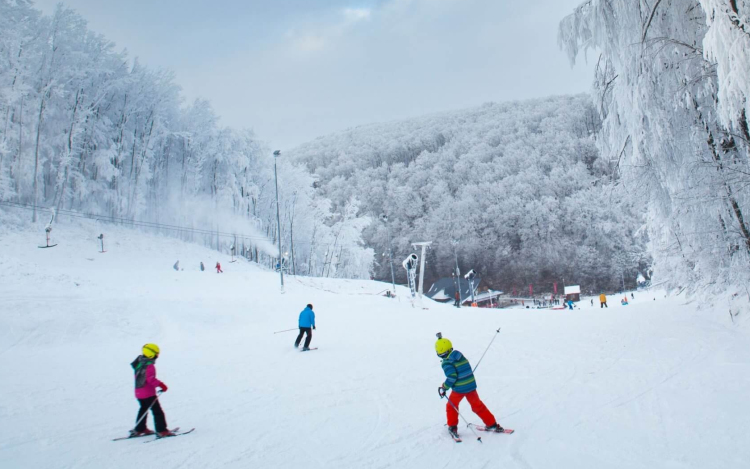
{"x": 654, "y": 384}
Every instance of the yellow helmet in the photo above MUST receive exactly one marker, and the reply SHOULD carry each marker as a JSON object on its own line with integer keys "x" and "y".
{"x": 150, "y": 350}
{"x": 443, "y": 347}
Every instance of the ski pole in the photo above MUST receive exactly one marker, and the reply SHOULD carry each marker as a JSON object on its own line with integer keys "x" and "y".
{"x": 479, "y": 438}
{"x": 295, "y": 329}
{"x": 147, "y": 410}
{"x": 485, "y": 351}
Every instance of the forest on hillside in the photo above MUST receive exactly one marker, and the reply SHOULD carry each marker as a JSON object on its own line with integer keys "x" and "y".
{"x": 517, "y": 191}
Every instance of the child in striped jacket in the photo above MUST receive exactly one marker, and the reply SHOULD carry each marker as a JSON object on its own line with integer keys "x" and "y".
{"x": 460, "y": 378}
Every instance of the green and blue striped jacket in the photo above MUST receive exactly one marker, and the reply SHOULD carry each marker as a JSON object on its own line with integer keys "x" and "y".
{"x": 458, "y": 374}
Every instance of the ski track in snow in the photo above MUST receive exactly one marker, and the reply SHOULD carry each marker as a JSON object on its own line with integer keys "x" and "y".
{"x": 658, "y": 383}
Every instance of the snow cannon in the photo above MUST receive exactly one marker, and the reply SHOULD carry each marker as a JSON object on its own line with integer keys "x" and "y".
{"x": 410, "y": 263}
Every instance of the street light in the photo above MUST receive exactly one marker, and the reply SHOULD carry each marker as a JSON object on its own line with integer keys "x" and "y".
{"x": 384, "y": 217}
{"x": 276, "y": 154}
{"x": 454, "y": 242}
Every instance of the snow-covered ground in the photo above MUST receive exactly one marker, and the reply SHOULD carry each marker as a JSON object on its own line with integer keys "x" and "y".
{"x": 656, "y": 384}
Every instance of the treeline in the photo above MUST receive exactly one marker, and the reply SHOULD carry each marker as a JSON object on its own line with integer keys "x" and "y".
{"x": 671, "y": 85}
{"x": 516, "y": 191}
{"x": 84, "y": 128}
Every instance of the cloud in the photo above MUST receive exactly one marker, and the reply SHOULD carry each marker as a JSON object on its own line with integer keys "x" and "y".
{"x": 353, "y": 15}
{"x": 327, "y": 30}
{"x": 310, "y": 43}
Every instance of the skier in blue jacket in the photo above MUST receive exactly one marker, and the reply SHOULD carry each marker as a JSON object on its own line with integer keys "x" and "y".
{"x": 306, "y": 325}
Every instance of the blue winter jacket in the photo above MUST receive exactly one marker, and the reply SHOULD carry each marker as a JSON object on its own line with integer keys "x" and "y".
{"x": 306, "y": 318}
{"x": 458, "y": 374}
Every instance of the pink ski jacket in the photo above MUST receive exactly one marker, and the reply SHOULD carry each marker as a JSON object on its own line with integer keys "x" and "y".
{"x": 145, "y": 380}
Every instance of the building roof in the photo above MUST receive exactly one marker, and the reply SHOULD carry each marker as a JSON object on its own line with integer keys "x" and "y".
{"x": 445, "y": 289}
{"x": 573, "y": 289}
{"x": 487, "y": 295}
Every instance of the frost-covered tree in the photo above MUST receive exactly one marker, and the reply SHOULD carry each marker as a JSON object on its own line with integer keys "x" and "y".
{"x": 675, "y": 127}
{"x": 84, "y": 129}
{"x": 726, "y": 44}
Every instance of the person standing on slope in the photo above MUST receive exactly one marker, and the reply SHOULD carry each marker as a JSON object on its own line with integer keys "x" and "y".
{"x": 460, "y": 378}
{"x": 145, "y": 391}
{"x": 218, "y": 268}
{"x": 603, "y": 301}
{"x": 306, "y": 326}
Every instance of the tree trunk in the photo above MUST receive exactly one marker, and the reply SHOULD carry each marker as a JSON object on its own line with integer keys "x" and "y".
{"x": 735, "y": 206}
{"x": 139, "y": 165}
{"x": 20, "y": 149}
{"x": 65, "y": 162}
{"x": 312, "y": 249}
{"x": 36, "y": 154}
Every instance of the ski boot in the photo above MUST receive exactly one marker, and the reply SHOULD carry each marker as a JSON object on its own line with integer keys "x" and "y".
{"x": 495, "y": 428}
{"x": 136, "y": 433}
{"x": 453, "y": 430}
{"x": 165, "y": 433}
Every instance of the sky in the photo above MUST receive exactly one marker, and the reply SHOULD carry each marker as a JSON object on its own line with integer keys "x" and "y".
{"x": 293, "y": 70}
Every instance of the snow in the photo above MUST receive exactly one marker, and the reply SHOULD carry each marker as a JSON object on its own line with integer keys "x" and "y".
{"x": 658, "y": 383}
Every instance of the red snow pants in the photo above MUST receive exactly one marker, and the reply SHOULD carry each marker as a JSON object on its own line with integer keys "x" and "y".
{"x": 477, "y": 406}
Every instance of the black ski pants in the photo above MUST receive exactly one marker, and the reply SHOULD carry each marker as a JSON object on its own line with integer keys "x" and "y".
{"x": 604, "y": 305}
{"x": 304, "y": 330}
{"x": 159, "y": 420}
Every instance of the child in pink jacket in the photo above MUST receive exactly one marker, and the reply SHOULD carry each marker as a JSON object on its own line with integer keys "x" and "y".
{"x": 145, "y": 391}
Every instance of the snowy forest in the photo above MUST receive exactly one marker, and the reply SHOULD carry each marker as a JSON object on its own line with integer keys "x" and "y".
{"x": 516, "y": 191}
{"x": 671, "y": 86}
{"x": 89, "y": 132}
{"x": 648, "y": 173}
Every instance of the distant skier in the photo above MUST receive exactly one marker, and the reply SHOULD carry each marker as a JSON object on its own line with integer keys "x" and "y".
{"x": 570, "y": 304}
{"x": 592, "y": 302}
{"x": 176, "y": 266}
{"x": 306, "y": 326}
{"x": 460, "y": 378}
{"x": 145, "y": 391}
{"x": 457, "y": 303}
{"x": 603, "y": 301}
{"x": 632, "y": 297}
{"x": 202, "y": 267}
{"x": 218, "y": 268}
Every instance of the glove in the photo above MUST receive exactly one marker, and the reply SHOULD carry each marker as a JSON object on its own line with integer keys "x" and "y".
{"x": 313, "y": 327}
{"x": 163, "y": 387}
{"x": 441, "y": 391}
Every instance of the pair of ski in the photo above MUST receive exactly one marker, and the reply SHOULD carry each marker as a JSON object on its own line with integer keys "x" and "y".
{"x": 481, "y": 428}
{"x": 176, "y": 432}
{"x": 310, "y": 349}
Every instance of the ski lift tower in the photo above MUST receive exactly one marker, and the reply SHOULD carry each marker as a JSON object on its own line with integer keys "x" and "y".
{"x": 425, "y": 245}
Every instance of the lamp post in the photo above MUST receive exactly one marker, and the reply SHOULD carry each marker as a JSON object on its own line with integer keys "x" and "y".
{"x": 458, "y": 271}
{"x": 384, "y": 217}
{"x": 276, "y": 154}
